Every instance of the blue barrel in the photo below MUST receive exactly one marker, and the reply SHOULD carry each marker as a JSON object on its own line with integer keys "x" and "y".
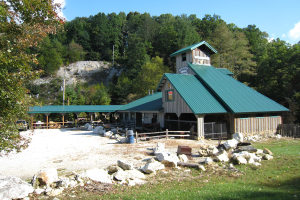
{"x": 130, "y": 137}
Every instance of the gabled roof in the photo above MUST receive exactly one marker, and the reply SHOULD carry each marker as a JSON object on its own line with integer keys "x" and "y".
{"x": 147, "y": 103}
{"x": 194, "y": 93}
{"x": 225, "y": 71}
{"x": 194, "y": 46}
{"x": 238, "y": 97}
{"x": 73, "y": 108}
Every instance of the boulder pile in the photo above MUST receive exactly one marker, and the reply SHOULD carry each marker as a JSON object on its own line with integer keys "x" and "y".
{"x": 47, "y": 181}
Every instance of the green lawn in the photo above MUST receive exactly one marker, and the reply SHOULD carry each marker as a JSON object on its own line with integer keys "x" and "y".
{"x": 275, "y": 179}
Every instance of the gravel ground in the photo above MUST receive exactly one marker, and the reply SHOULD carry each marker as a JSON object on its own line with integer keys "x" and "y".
{"x": 75, "y": 150}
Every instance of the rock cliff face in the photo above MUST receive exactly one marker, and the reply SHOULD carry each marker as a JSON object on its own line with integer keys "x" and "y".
{"x": 91, "y": 72}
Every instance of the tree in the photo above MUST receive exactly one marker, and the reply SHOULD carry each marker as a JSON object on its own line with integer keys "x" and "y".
{"x": 233, "y": 51}
{"x": 149, "y": 76}
{"x": 23, "y": 24}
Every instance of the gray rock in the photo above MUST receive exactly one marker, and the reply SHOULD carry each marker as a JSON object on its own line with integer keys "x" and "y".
{"x": 267, "y": 151}
{"x": 126, "y": 165}
{"x": 13, "y": 188}
{"x": 99, "y": 175}
{"x": 231, "y": 144}
{"x": 113, "y": 168}
{"x": 238, "y": 137}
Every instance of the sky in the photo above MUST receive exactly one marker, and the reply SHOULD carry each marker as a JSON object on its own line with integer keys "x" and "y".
{"x": 280, "y": 19}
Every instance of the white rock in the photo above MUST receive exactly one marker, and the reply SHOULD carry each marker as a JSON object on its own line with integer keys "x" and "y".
{"x": 169, "y": 160}
{"x": 212, "y": 150}
{"x": 160, "y": 148}
{"x": 99, "y": 175}
{"x": 230, "y": 144}
{"x": 126, "y": 165}
{"x": 63, "y": 182}
{"x": 256, "y": 164}
{"x": 47, "y": 176}
{"x": 39, "y": 191}
{"x": 278, "y": 136}
{"x": 107, "y": 134}
{"x": 202, "y": 168}
{"x": 208, "y": 161}
{"x": 241, "y": 160}
{"x": 268, "y": 157}
{"x": 13, "y": 188}
{"x": 138, "y": 181}
{"x": 223, "y": 157}
{"x": 259, "y": 151}
{"x": 238, "y": 137}
{"x": 183, "y": 158}
{"x": 122, "y": 175}
{"x": 251, "y": 160}
{"x": 54, "y": 192}
{"x": 152, "y": 167}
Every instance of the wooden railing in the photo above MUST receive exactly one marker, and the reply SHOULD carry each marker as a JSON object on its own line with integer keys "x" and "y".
{"x": 289, "y": 130}
{"x": 163, "y": 134}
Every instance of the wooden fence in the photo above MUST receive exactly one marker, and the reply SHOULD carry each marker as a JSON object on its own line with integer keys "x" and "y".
{"x": 289, "y": 130}
{"x": 163, "y": 134}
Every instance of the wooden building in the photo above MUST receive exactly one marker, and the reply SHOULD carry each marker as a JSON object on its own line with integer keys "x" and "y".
{"x": 202, "y": 94}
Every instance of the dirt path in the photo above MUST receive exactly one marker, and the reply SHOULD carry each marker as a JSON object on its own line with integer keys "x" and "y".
{"x": 68, "y": 150}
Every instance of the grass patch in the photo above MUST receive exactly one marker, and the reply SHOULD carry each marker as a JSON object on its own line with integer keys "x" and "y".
{"x": 275, "y": 179}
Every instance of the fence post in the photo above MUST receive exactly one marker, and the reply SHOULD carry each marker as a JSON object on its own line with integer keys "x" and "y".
{"x": 166, "y": 133}
{"x": 136, "y": 137}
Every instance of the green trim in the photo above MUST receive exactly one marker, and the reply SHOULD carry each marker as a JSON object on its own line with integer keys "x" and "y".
{"x": 192, "y": 47}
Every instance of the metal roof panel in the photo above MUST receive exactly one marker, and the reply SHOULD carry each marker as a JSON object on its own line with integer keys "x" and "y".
{"x": 237, "y": 96}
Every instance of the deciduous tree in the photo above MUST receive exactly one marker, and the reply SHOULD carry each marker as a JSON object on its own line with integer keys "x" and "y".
{"x": 23, "y": 24}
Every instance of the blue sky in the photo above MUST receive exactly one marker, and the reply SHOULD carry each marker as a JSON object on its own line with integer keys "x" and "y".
{"x": 280, "y": 19}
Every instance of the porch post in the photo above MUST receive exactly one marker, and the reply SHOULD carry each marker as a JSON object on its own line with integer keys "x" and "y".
{"x": 200, "y": 127}
{"x": 47, "y": 121}
{"x": 63, "y": 118}
{"x": 232, "y": 124}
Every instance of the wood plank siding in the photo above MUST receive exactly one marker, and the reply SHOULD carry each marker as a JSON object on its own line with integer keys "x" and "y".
{"x": 178, "y": 105}
{"x": 252, "y": 124}
{"x": 196, "y": 56}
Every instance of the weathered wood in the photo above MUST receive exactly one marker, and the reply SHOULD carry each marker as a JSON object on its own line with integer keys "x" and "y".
{"x": 193, "y": 165}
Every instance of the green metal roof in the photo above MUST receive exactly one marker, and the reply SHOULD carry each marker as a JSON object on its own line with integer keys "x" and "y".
{"x": 73, "y": 108}
{"x": 238, "y": 97}
{"x": 192, "y": 47}
{"x": 147, "y": 103}
{"x": 194, "y": 93}
{"x": 225, "y": 71}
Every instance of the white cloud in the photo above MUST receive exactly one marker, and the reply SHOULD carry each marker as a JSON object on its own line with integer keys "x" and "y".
{"x": 294, "y": 33}
{"x": 283, "y": 35}
{"x": 63, "y": 4}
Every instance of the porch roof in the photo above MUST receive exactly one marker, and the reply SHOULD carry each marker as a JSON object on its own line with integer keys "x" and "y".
{"x": 73, "y": 108}
{"x": 147, "y": 103}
